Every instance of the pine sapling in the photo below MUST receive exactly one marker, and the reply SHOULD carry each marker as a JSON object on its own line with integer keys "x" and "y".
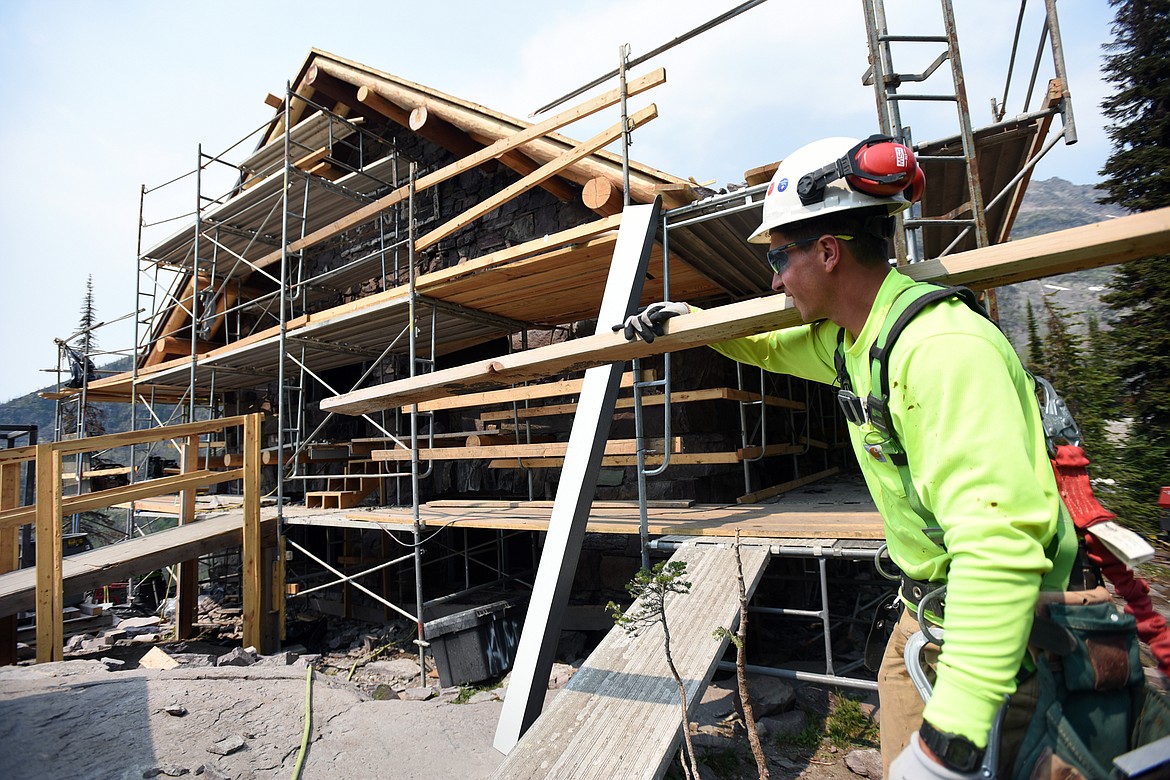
{"x": 649, "y": 589}
{"x": 739, "y": 639}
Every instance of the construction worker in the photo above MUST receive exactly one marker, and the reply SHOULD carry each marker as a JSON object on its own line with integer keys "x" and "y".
{"x": 992, "y": 528}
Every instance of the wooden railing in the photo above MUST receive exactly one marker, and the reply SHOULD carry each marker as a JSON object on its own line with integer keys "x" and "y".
{"x": 51, "y": 506}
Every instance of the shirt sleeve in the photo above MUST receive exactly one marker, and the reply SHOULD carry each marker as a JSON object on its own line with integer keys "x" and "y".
{"x": 805, "y": 351}
{"x": 972, "y": 460}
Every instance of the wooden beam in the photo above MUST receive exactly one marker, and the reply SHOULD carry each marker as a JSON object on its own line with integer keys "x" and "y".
{"x": 623, "y": 461}
{"x": 187, "y": 584}
{"x": 273, "y": 101}
{"x": 601, "y": 195}
{"x": 775, "y": 490}
{"x": 512, "y": 394}
{"x": 479, "y": 121}
{"x": 111, "y": 440}
{"x": 537, "y": 450}
{"x": 9, "y": 555}
{"x": 491, "y": 152}
{"x": 761, "y": 174}
{"x": 100, "y": 499}
{"x": 251, "y": 553}
{"x": 658, "y": 399}
{"x": 546, "y": 171}
{"x": 50, "y": 590}
{"x": 1103, "y": 243}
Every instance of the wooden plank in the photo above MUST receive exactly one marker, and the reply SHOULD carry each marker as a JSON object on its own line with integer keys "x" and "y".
{"x": 775, "y": 490}
{"x": 100, "y": 499}
{"x": 447, "y": 503}
{"x": 767, "y": 521}
{"x": 576, "y": 488}
{"x": 657, "y": 399}
{"x": 491, "y": 152}
{"x": 50, "y": 592}
{"x": 18, "y": 454}
{"x": 519, "y": 393}
{"x": 133, "y": 557}
{"x": 112, "y": 440}
{"x": 251, "y": 553}
{"x": 676, "y": 459}
{"x": 187, "y": 585}
{"x": 536, "y": 450}
{"x": 1103, "y": 243}
{"x": 619, "y": 715}
{"x": 9, "y": 555}
{"x": 549, "y": 169}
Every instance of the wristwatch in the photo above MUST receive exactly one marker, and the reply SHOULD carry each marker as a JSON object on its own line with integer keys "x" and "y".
{"x": 955, "y": 751}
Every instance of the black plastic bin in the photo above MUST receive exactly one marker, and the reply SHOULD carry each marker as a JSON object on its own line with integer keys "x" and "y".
{"x": 476, "y": 644}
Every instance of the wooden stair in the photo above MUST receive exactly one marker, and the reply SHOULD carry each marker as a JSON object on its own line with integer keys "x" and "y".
{"x": 348, "y": 490}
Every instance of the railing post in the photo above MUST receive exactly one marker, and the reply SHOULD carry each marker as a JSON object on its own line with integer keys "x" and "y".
{"x": 251, "y": 555}
{"x": 50, "y": 595}
{"x": 187, "y": 585}
{"x": 9, "y": 555}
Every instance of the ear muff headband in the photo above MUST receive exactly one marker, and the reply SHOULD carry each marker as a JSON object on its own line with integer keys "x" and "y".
{"x": 878, "y": 166}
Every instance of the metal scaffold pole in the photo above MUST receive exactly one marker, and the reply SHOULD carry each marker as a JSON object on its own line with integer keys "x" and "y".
{"x": 412, "y": 324}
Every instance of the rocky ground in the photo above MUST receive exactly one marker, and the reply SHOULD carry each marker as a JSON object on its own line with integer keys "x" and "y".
{"x": 129, "y": 704}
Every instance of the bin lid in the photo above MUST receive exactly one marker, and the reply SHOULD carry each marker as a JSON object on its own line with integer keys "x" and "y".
{"x": 469, "y": 618}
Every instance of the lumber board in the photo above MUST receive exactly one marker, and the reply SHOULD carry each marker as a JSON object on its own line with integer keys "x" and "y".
{"x": 520, "y": 393}
{"x": 618, "y": 716}
{"x": 1102, "y": 243}
{"x": 112, "y": 440}
{"x": 100, "y": 499}
{"x": 775, "y": 490}
{"x": 133, "y": 557}
{"x": 614, "y": 461}
{"x": 656, "y": 399}
{"x": 549, "y": 169}
{"x": 491, "y": 152}
{"x": 772, "y": 521}
{"x": 537, "y": 450}
{"x": 467, "y": 503}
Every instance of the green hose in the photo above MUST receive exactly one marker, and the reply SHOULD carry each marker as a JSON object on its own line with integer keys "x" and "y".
{"x": 308, "y": 724}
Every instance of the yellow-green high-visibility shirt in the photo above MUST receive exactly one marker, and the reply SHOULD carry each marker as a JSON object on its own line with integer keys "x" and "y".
{"x": 965, "y": 411}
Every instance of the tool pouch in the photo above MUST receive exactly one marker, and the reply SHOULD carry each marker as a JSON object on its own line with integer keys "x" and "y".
{"x": 1092, "y": 694}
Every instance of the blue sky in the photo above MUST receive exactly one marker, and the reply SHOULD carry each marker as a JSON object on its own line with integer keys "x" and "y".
{"x": 105, "y": 97}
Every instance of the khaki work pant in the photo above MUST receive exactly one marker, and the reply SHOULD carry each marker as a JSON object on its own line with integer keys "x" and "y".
{"x": 901, "y": 706}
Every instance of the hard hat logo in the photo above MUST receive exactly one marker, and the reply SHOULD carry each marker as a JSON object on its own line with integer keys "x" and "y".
{"x": 838, "y": 174}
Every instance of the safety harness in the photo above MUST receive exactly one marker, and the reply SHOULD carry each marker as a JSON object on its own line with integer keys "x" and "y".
{"x": 876, "y": 407}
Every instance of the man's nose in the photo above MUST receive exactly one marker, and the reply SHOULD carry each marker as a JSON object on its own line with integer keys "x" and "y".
{"x": 777, "y": 283}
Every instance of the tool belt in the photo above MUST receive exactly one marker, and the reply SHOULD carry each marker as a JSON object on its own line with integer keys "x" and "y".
{"x": 914, "y": 591}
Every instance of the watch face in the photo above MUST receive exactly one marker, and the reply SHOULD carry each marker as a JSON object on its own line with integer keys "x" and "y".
{"x": 955, "y": 751}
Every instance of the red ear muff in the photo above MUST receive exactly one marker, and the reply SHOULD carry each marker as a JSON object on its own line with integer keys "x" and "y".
{"x": 883, "y": 169}
{"x": 917, "y": 187}
{"x": 877, "y": 166}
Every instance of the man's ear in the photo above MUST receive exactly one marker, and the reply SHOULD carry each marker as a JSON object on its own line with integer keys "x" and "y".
{"x": 831, "y": 247}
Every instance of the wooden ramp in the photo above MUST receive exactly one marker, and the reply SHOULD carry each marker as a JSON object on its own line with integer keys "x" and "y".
{"x": 117, "y": 561}
{"x": 620, "y": 715}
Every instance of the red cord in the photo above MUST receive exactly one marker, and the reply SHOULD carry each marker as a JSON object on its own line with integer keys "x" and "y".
{"x": 1073, "y": 481}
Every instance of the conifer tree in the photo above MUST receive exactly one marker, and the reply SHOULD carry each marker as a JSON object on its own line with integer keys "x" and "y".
{"x": 1036, "y": 358}
{"x": 1137, "y": 64}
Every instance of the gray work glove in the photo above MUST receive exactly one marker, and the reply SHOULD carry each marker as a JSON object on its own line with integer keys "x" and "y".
{"x": 913, "y": 764}
{"x": 647, "y": 322}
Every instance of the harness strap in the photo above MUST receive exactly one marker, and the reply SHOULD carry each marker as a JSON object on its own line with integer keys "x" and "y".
{"x": 1072, "y": 479}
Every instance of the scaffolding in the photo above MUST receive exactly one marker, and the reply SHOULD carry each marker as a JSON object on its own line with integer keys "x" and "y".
{"x": 332, "y": 206}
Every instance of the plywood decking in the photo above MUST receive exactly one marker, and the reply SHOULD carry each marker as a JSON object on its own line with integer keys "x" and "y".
{"x": 795, "y": 520}
{"x": 620, "y": 715}
{"x": 117, "y": 561}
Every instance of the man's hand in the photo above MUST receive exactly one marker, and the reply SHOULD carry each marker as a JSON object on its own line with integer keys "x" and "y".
{"x": 913, "y": 763}
{"x": 647, "y": 322}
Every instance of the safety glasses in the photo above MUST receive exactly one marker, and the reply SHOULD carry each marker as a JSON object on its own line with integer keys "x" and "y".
{"x": 778, "y": 257}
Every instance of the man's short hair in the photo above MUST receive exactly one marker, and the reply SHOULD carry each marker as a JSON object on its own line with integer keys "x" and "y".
{"x": 872, "y": 229}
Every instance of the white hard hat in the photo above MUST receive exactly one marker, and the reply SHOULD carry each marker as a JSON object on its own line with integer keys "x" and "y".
{"x": 829, "y": 175}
